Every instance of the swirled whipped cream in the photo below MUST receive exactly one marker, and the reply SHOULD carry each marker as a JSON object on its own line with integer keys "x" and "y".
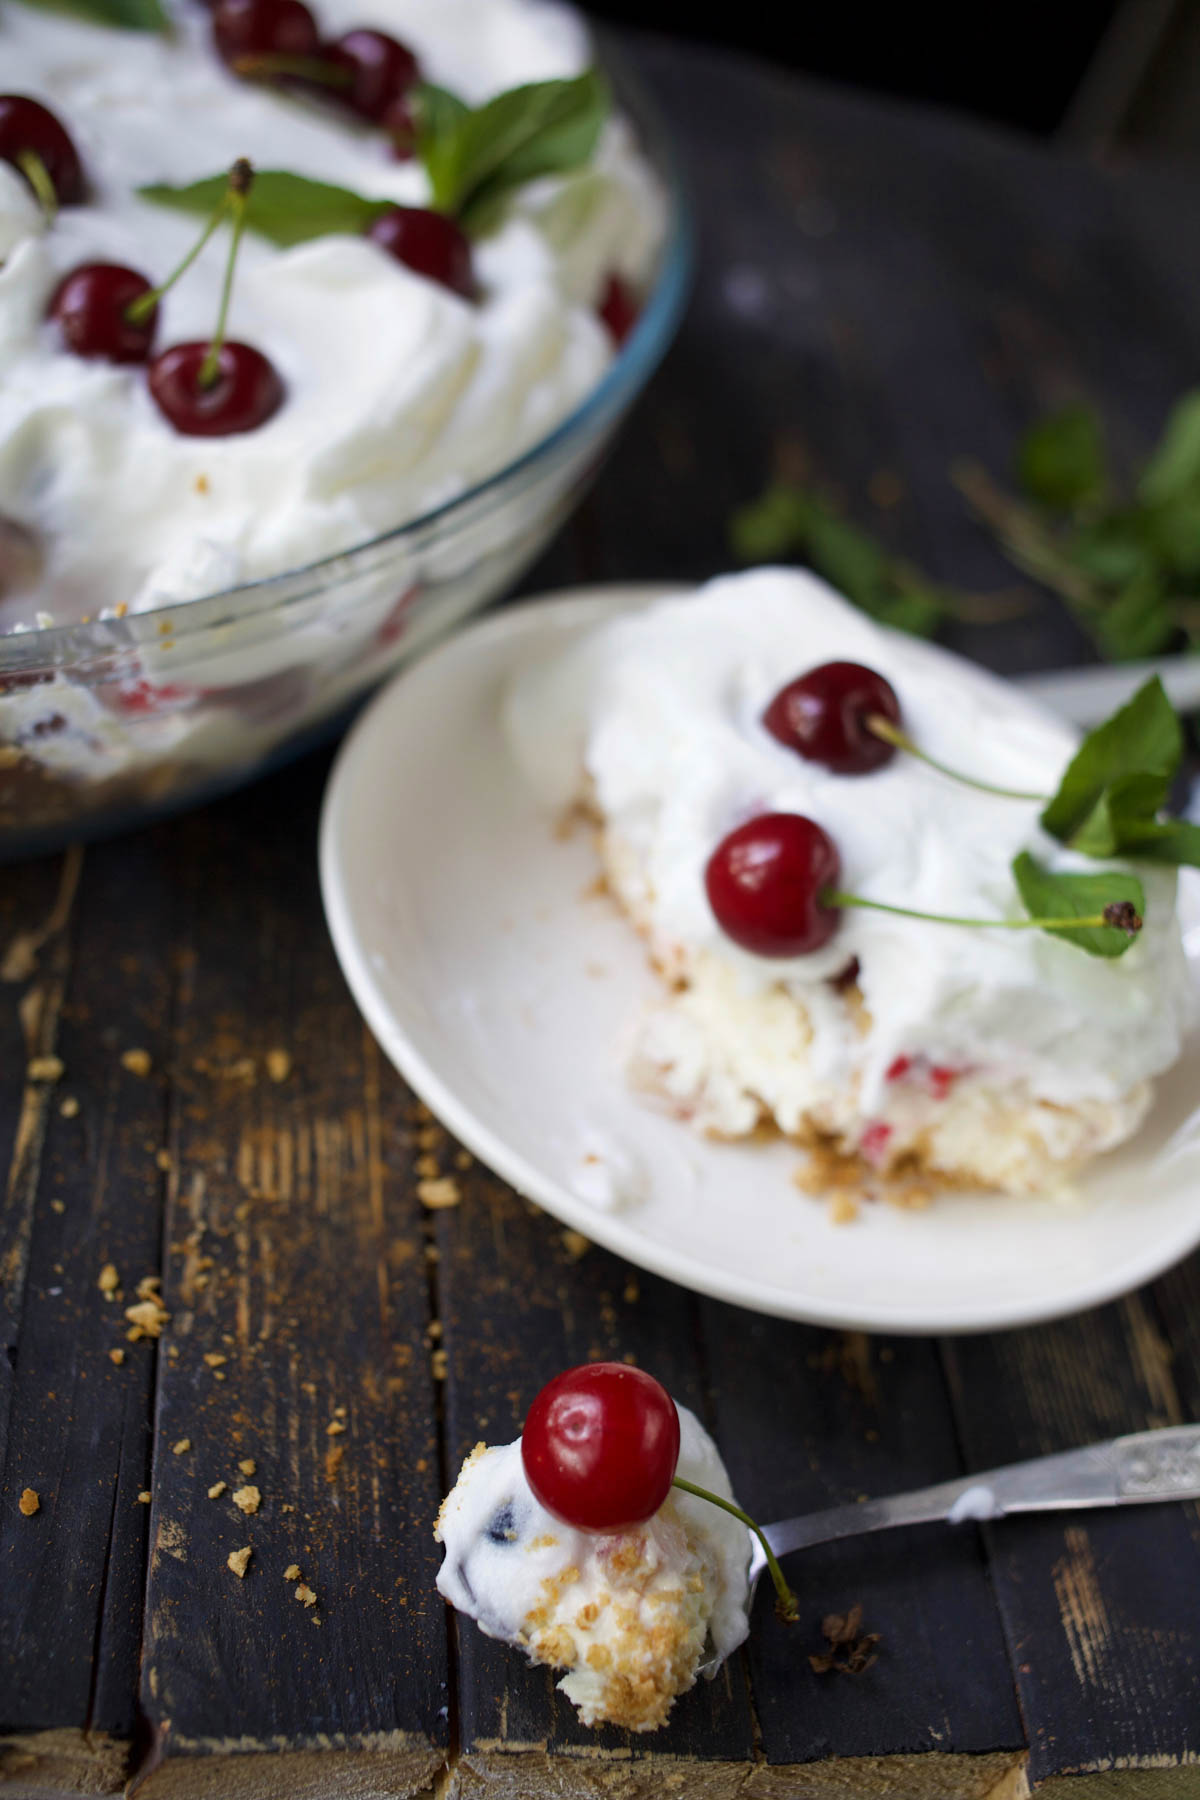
{"x": 629, "y": 1615}
{"x": 920, "y": 1051}
{"x": 400, "y": 395}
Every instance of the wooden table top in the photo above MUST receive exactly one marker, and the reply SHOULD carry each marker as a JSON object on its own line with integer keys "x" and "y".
{"x": 879, "y": 291}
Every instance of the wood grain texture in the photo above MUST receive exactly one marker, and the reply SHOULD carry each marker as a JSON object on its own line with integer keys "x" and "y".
{"x": 297, "y": 1368}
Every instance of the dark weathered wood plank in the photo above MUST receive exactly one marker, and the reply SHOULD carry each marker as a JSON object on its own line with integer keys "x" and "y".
{"x": 1100, "y": 1609}
{"x": 79, "y": 1424}
{"x": 296, "y": 1283}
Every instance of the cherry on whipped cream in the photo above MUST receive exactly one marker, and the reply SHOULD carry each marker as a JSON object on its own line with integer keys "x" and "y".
{"x": 825, "y": 716}
{"x": 244, "y": 393}
{"x": 91, "y": 308}
{"x": 600, "y": 1446}
{"x": 766, "y": 881}
{"x": 427, "y": 242}
{"x": 35, "y": 142}
{"x": 245, "y": 31}
{"x": 380, "y": 69}
{"x": 618, "y": 308}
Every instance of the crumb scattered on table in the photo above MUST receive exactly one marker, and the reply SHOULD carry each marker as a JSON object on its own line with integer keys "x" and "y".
{"x": 181, "y": 1446}
{"x": 851, "y": 1650}
{"x": 248, "y": 1466}
{"x": 439, "y": 1363}
{"x": 279, "y": 1065}
{"x": 116, "y": 1356}
{"x": 305, "y": 1594}
{"x": 45, "y": 1068}
{"x": 238, "y": 1561}
{"x": 292, "y": 1572}
{"x": 144, "y": 1497}
{"x": 575, "y": 1244}
{"x": 69, "y": 1108}
{"x": 247, "y": 1499}
{"x": 434, "y": 1195}
{"x": 30, "y": 1502}
{"x": 215, "y": 1358}
{"x": 217, "y": 1489}
{"x": 147, "y": 1317}
{"x": 108, "y": 1281}
{"x": 136, "y": 1061}
{"x": 333, "y": 1428}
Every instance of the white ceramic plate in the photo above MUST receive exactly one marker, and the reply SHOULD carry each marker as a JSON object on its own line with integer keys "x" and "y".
{"x": 502, "y": 990}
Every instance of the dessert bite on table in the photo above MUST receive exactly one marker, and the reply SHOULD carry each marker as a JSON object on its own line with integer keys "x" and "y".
{"x": 574, "y": 1545}
{"x": 902, "y": 916}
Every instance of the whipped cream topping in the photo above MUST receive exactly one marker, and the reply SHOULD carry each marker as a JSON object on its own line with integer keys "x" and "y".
{"x": 656, "y": 719}
{"x": 400, "y": 395}
{"x": 628, "y": 1614}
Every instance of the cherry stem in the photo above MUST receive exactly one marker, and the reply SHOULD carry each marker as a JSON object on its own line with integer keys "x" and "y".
{"x": 883, "y": 728}
{"x": 139, "y": 310}
{"x": 1116, "y": 917}
{"x": 785, "y": 1600}
{"x": 241, "y": 178}
{"x": 38, "y": 176}
{"x": 309, "y": 68}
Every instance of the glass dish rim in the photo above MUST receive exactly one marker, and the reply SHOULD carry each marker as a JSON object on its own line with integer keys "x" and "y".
{"x": 631, "y": 367}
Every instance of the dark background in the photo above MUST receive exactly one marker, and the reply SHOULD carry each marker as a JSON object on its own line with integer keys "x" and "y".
{"x": 1096, "y": 71}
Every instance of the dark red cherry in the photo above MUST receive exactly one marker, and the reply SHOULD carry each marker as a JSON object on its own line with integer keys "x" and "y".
{"x": 400, "y": 124}
{"x": 428, "y": 242}
{"x": 244, "y": 30}
{"x": 618, "y": 308}
{"x": 27, "y": 126}
{"x": 90, "y": 307}
{"x": 600, "y": 1446}
{"x": 823, "y": 717}
{"x": 380, "y": 70}
{"x": 765, "y": 883}
{"x": 246, "y": 392}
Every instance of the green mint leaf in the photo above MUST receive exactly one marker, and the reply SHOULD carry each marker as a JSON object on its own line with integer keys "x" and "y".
{"x": 1174, "y": 468}
{"x": 288, "y": 209}
{"x": 1143, "y": 738}
{"x": 476, "y": 156}
{"x": 1061, "y": 461}
{"x": 127, "y": 15}
{"x": 1049, "y": 895}
{"x": 789, "y": 521}
{"x": 1174, "y": 841}
{"x": 1138, "y": 623}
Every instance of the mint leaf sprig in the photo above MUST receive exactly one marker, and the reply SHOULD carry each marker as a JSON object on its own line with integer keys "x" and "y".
{"x": 789, "y": 520}
{"x": 126, "y": 15}
{"x": 475, "y": 158}
{"x": 1127, "y": 563}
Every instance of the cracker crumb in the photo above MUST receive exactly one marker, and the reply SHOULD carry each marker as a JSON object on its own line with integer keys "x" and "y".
{"x": 116, "y": 1356}
{"x": 339, "y": 1412}
{"x": 217, "y": 1489}
{"x": 575, "y": 1244}
{"x": 148, "y": 1286}
{"x": 215, "y": 1358}
{"x": 333, "y": 1461}
{"x": 30, "y": 1502}
{"x": 247, "y": 1499}
{"x": 438, "y": 1194}
{"x": 305, "y": 1594}
{"x": 279, "y": 1065}
{"x": 136, "y": 1061}
{"x": 237, "y": 1560}
{"x": 162, "y": 1160}
{"x": 843, "y": 1209}
{"x": 181, "y": 1446}
{"x": 333, "y": 1427}
{"x": 439, "y": 1364}
{"x": 288, "y": 1506}
{"x": 45, "y": 1068}
{"x": 58, "y": 1206}
{"x": 292, "y": 1572}
{"x": 108, "y": 1281}
{"x": 69, "y": 1107}
{"x": 248, "y": 1466}
{"x": 144, "y": 1497}
{"x": 147, "y": 1318}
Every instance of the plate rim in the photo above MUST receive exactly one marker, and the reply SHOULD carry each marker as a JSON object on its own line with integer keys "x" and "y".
{"x": 563, "y": 609}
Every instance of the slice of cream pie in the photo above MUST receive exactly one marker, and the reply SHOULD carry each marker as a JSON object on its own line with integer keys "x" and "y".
{"x": 903, "y": 1053}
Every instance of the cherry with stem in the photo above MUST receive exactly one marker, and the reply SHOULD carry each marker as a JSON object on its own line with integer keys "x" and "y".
{"x": 36, "y": 143}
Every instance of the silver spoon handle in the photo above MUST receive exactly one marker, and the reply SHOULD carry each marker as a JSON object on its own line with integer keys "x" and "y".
{"x": 1146, "y": 1466}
